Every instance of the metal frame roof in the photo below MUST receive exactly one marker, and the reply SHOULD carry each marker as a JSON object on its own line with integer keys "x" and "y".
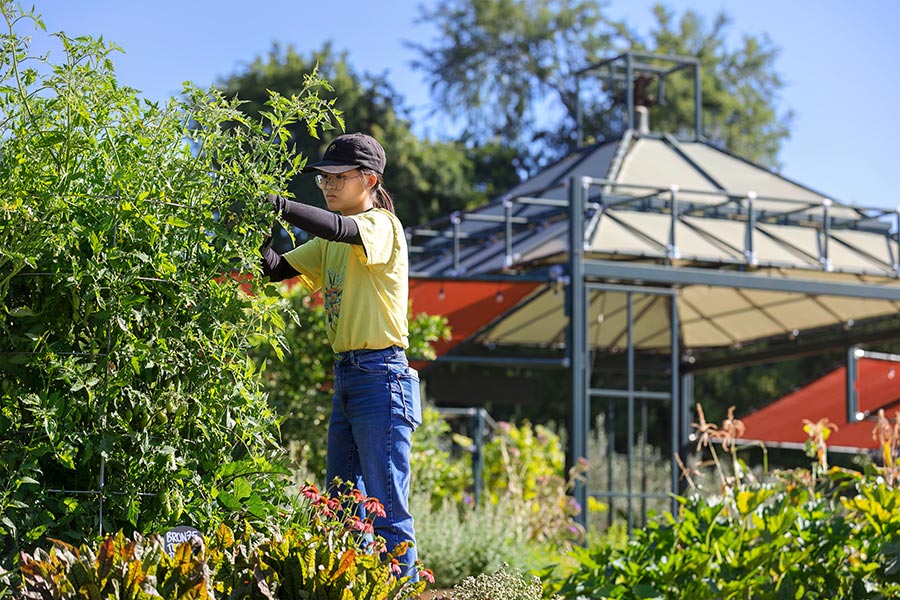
{"x": 779, "y": 255}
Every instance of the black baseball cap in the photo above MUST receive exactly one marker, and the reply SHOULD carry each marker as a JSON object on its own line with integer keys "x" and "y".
{"x": 348, "y": 152}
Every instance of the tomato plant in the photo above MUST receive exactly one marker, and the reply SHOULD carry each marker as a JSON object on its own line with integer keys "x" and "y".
{"x": 129, "y": 398}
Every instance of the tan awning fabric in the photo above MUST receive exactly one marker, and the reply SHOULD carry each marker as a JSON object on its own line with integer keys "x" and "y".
{"x": 709, "y": 317}
{"x": 629, "y": 218}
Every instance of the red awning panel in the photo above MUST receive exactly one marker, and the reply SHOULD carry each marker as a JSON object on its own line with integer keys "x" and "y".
{"x": 878, "y": 387}
{"x": 468, "y": 305}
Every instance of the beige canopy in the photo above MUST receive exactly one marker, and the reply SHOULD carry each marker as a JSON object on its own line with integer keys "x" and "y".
{"x": 680, "y": 207}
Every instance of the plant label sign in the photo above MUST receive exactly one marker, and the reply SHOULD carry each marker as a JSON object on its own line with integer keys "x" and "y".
{"x": 180, "y": 535}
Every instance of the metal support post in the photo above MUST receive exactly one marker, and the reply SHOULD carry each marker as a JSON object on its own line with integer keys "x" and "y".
{"x": 477, "y": 427}
{"x": 687, "y": 401}
{"x": 897, "y": 239}
{"x": 629, "y": 309}
{"x": 508, "y": 233}
{"x": 698, "y": 112}
{"x": 577, "y": 349}
{"x": 672, "y": 249}
{"x": 644, "y": 442}
{"x": 675, "y": 381}
{"x": 853, "y": 354}
{"x": 749, "y": 250}
{"x": 456, "y": 220}
{"x": 826, "y": 234}
{"x": 629, "y": 89}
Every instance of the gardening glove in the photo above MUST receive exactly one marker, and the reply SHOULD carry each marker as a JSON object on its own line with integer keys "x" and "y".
{"x": 278, "y": 203}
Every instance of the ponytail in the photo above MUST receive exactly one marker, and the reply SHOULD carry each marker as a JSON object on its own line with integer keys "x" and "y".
{"x": 380, "y": 196}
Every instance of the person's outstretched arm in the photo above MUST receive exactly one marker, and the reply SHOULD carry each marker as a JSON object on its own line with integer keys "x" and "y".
{"x": 321, "y": 223}
{"x": 274, "y": 265}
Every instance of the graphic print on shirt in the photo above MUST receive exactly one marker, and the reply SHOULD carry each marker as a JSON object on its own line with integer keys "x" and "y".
{"x": 333, "y": 291}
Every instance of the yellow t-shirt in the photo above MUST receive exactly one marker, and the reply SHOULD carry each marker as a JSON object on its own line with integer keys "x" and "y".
{"x": 365, "y": 288}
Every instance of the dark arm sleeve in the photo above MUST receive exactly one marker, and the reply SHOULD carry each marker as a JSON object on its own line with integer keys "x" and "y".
{"x": 274, "y": 265}
{"x": 320, "y": 223}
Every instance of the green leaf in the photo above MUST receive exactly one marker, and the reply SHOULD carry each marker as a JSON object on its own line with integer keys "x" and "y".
{"x": 646, "y": 591}
{"x": 177, "y": 222}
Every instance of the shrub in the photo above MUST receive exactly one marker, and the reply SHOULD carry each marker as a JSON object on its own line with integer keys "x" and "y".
{"x": 524, "y": 466}
{"x": 501, "y": 584}
{"x": 125, "y": 372}
{"x": 460, "y": 541}
{"x": 651, "y": 474}
{"x": 437, "y": 473}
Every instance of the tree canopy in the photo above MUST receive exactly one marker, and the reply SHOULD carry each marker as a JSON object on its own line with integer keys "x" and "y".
{"x": 507, "y": 70}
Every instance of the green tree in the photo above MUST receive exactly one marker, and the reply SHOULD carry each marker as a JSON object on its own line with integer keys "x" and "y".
{"x": 495, "y": 62}
{"x": 427, "y": 179}
{"x": 740, "y": 86}
{"x": 506, "y": 69}
{"x": 127, "y": 397}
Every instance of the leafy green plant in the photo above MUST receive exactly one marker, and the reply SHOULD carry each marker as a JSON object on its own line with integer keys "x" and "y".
{"x": 524, "y": 464}
{"x": 462, "y": 540}
{"x": 650, "y": 473}
{"x": 327, "y": 559}
{"x": 128, "y": 399}
{"x": 438, "y": 473}
{"x": 500, "y": 584}
{"x": 804, "y": 534}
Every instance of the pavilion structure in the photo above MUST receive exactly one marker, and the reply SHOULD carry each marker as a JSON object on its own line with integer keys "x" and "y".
{"x": 666, "y": 252}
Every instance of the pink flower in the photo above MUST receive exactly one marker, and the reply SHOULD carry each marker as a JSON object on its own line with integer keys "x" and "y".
{"x": 356, "y": 495}
{"x": 427, "y": 575}
{"x": 372, "y": 505}
{"x": 310, "y": 491}
{"x": 395, "y": 566}
{"x": 357, "y": 524}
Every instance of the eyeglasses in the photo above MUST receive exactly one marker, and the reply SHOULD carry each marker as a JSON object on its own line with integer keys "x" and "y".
{"x": 335, "y": 182}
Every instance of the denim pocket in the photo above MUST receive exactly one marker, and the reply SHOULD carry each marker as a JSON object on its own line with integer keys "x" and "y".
{"x": 409, "y": 397}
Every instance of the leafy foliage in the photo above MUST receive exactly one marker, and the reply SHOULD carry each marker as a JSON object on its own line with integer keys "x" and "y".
{"x": 739, "y": 86}
{"x": 440, "y": 472}
{"x": 498, "y": 64}
{"x": 326, "y": 559}
{"x": 461, "y": 540}
{"x": 806, "y": 534}
{"x": 524, "y": 465}
{"x": 126, "y": 385}
{"x": 427, "y": 179}
{"x": 500, "y": 584}
{"x": 495, "y": 61}
{"x": 526, "y": 511}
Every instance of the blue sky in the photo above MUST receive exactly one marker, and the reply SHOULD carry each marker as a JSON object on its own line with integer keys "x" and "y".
{"x": 838, "y": 59}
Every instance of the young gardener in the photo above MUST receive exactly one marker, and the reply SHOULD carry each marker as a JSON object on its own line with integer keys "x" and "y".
{"x": 359, "y": 261}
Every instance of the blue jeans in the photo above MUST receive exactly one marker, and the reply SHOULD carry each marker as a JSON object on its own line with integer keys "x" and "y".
{"x": 375, "y": 409}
